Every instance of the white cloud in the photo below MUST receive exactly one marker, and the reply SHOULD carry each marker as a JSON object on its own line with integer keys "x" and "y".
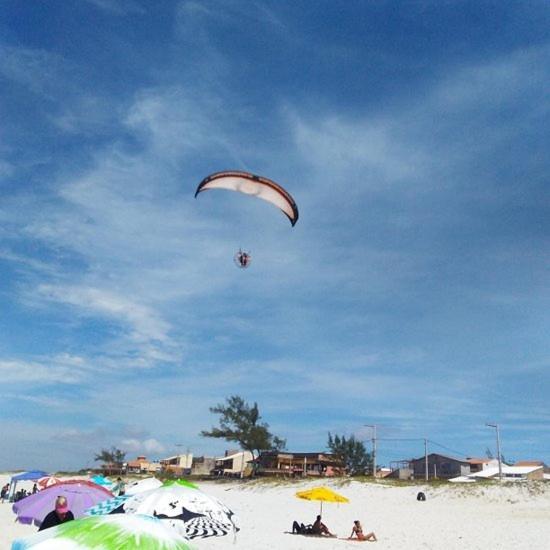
{"x": 141, "y": 337}
{"x": 428, "y": 142}
{"x": 118, "y": 7}
{"x": 150, "y": 446}
{"x": 178, "y": 121}
{"x": 369, "y": 146}
{"x": 27, "y": 262}
{"x": 6, "y": 169}
{"x": 494, "y": 84}
{"x": 43, "y": 401}
{"x": 146, "y": 324}
{"x": 37, "y": 69}
{"x": 34, "y": 373}
{"x": 233, "y": 13}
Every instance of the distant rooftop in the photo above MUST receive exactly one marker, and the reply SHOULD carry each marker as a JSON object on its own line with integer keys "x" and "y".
{"x": 474, "y": 460}
{"x": 506, "y": 470}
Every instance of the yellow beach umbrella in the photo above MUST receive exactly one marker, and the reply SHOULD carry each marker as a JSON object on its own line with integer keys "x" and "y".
{"x": 323, "y": 494}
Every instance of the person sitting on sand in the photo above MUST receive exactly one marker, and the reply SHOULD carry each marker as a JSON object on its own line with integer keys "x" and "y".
{"x": 61, "y": 514}
{"x": 319, "y": 528}
{"x": 358, "y": 532}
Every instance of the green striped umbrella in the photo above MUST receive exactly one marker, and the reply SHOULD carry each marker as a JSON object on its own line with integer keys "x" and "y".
{"x": 116, "y": 532}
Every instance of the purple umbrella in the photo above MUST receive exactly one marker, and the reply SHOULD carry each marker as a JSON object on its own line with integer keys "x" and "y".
{"x": 80, "y": 495}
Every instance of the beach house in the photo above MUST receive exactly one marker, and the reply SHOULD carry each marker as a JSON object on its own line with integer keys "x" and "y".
{"x": 177, "y": 465}
{"x": 439, "y": 467}
{"x": 278, "y": 463}
{"x": 137, "y": 466}
{"x": 142, "y": 466}
{"x": 233, "y": 464}
{"x": 511, "y": 473}
{"x": 479, "y": 464}
{"x": 203, "y": 465}
{"x": 537, "y": 463}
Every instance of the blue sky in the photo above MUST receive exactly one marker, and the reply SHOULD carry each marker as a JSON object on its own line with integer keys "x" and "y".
{"x": 412, "y": 294}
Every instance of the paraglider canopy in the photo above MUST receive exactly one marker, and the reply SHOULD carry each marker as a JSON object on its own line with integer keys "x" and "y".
{"x": 250, "y": 184}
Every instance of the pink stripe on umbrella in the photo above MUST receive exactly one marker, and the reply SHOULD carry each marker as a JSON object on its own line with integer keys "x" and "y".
{"x": 45, "y": 482}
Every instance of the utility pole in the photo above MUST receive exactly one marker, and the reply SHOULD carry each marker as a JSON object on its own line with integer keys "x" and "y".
{"x": 373, "y": 426}
{"x": 498, "y": 450}
{"x": 425, "y": 459}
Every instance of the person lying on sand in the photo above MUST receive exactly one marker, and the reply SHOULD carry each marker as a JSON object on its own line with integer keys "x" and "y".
{"x": 301, "y": 529}
{"x": 358, "y": 532}
{"x": 319, "y": 528}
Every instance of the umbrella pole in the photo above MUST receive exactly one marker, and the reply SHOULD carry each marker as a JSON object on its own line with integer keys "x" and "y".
{"x": 321, "y": 508}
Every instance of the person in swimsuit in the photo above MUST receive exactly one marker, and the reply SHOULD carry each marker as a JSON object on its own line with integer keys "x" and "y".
{"x": 358, "y": 532}
{"x": 300, "y": 528}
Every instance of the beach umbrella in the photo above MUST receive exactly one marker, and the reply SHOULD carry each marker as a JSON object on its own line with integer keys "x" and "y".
{"x": 114, "y": 505}
{"x": 180, "y": 504}
{"x": 100, "y": 480}
{"x": 141, "y": 485}
{"x": 80, "y": 495}
{"x": 322, "y": 494}
{"x": 48, "y": 481}
{"x": 117, "y": 532}
{"x": 110, "y": 506}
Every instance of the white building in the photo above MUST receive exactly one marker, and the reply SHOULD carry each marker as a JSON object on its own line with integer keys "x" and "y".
{"x": 510, "y": 473}
{"x": 234, "y": 464}
{"x": 178, "y": 464}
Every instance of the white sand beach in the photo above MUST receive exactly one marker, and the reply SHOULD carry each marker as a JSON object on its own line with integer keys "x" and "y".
{"x": 511, "y": 516}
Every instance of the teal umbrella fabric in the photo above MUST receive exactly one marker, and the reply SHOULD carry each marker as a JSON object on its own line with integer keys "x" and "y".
{"x": 108, "y": 506}
{"x": 118, "y": 532}
{"x": 114, "y": 505}
{"x": 103, "y": 481}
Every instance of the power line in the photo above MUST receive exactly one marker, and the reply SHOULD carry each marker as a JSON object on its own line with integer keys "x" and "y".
{"x": 400, "y": 439}
{"x": 447, "y": 448}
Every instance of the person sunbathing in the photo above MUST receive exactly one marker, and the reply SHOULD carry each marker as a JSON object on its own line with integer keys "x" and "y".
{"x": 358, "y": 532}
{"x": 319, "y": 528}
{"x": 300, "y": 528}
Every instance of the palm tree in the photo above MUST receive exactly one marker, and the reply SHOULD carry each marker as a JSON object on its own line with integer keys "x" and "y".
{"x": 106, "y": 457}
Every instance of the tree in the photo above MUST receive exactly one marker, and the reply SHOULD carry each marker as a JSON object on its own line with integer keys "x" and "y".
{"x": 110, "y": 457}
{"x": 504, "y": 461}
{"x": 502, "y": 458}
{"x": 240, "y": 422}
{"x": 351, "y": 452}
{"x": 118, "y": 457}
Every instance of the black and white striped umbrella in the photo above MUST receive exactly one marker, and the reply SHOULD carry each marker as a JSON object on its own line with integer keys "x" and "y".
{"x": 180, "y": 504}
